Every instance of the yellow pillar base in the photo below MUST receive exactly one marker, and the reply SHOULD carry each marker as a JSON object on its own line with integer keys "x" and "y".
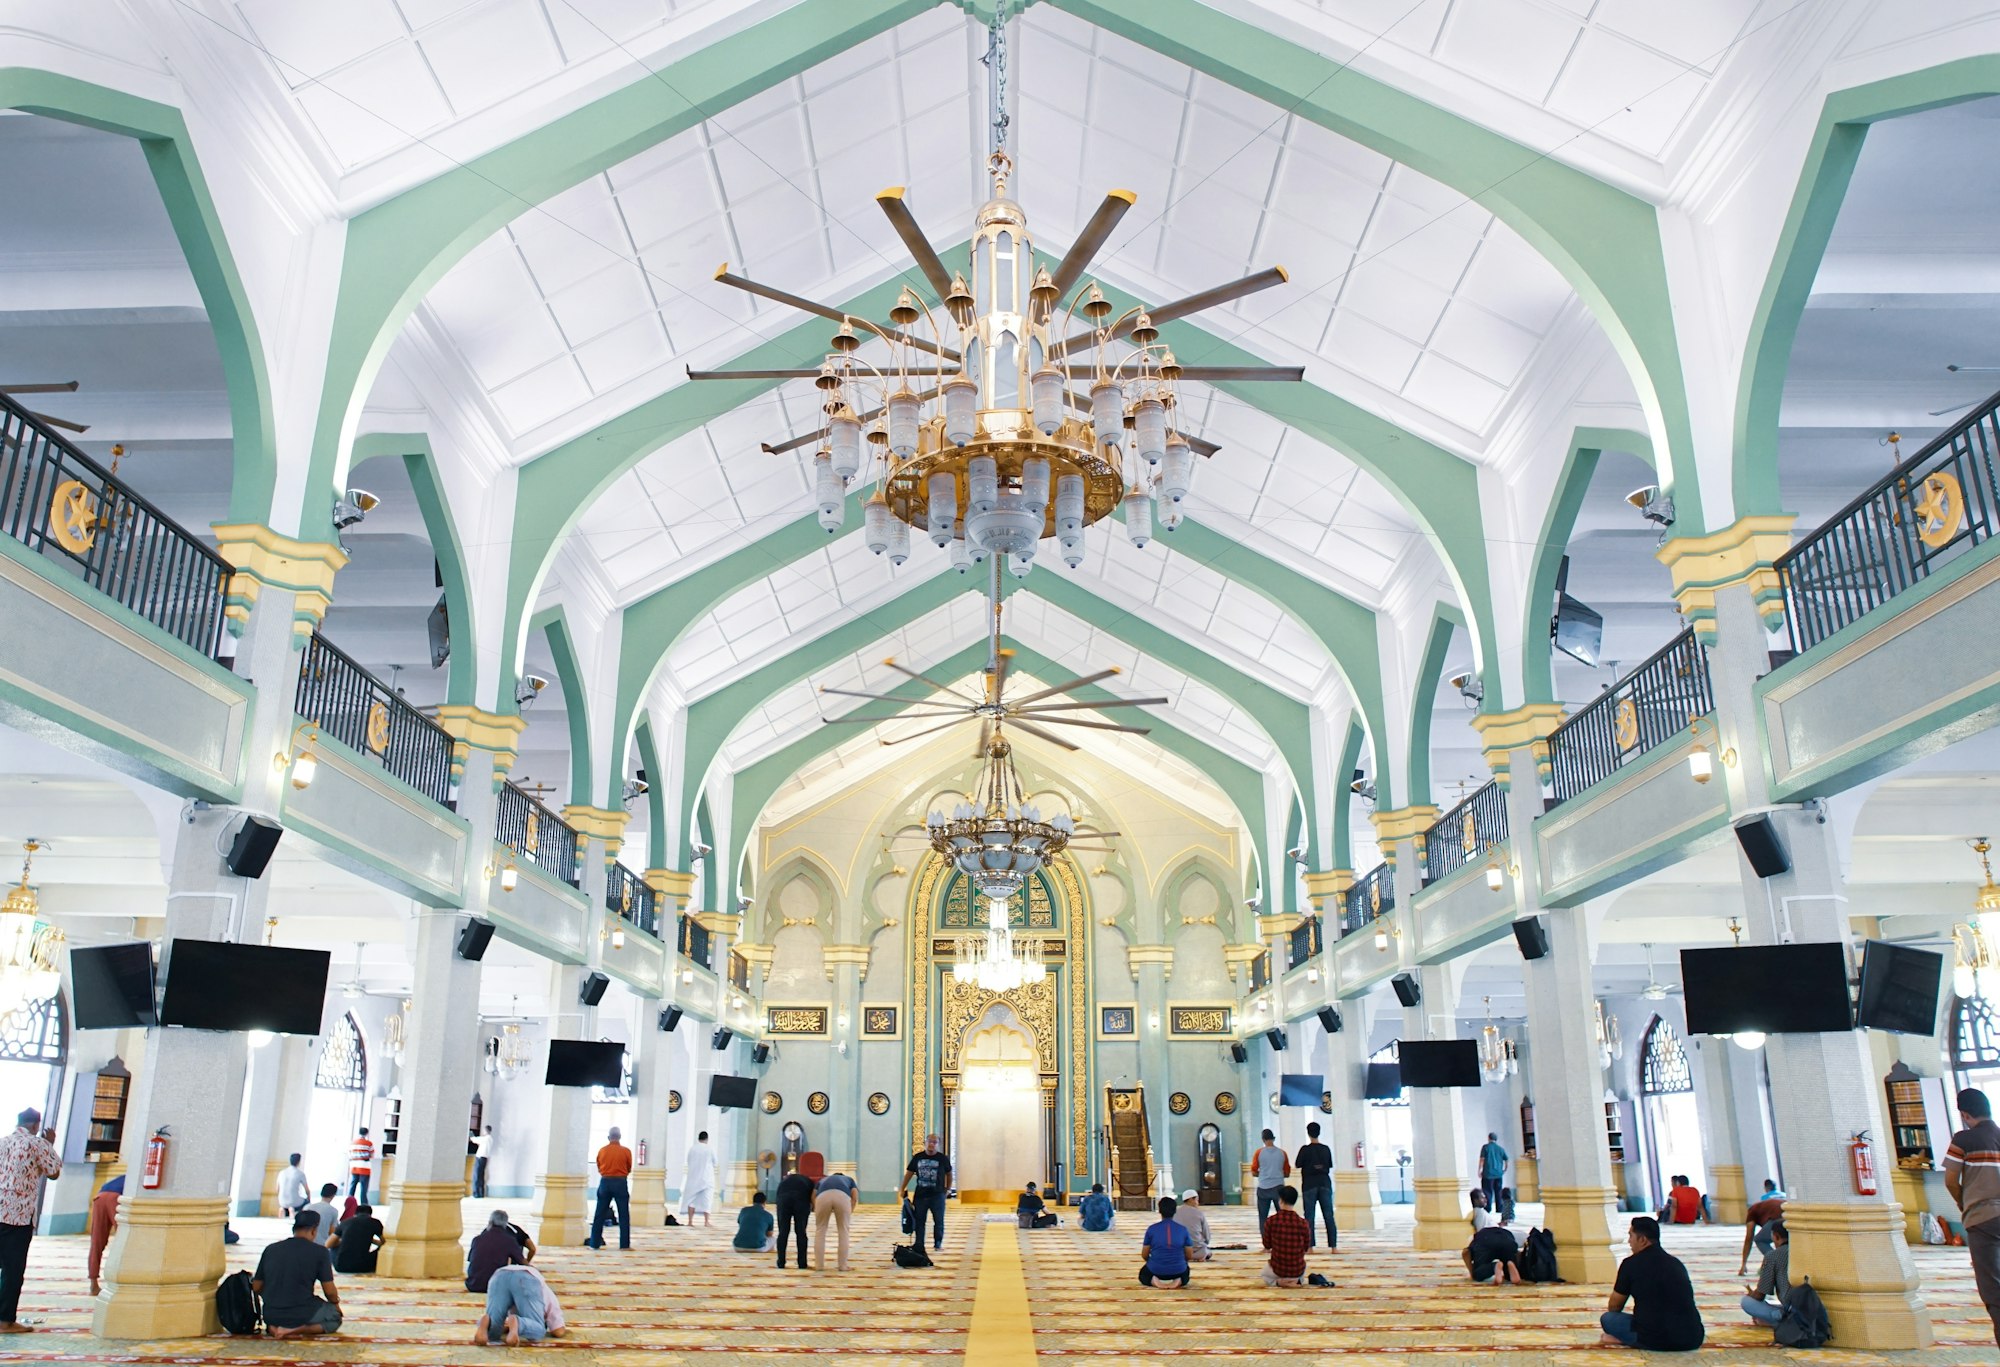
{"x": 425, "y": 1226}
{"x": 1441, "y": 1215}
{"x": 558, "y": 1213}
{"x": 1357, "y": 1204}
{"x": 161, "y": 1269}
{"x": 1860, "y": 1265}
{"x": 1527, "y": 1179}
{"x": 649, "y": 1197}
{"x": 742, "y": 1181}
{"x": 1588, "y": 1248}
{"x": 1732, "y": 1206}
{"x": 267, "y": 1201}
{"x": 1906, "y": 1188}
{"x": 1249, "y": 1187}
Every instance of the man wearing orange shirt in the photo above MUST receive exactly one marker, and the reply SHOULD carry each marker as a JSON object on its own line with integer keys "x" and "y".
{"x": 614, "y": 1169}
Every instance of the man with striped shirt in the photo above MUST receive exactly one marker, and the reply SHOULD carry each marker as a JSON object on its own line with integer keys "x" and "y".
{"x": 360, "y": 1165}
{"x": 1972, "y": 1176}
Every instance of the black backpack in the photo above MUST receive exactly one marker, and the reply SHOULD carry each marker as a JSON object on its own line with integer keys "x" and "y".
{"x": 911, "y": 1255}
{"x": 236, "y": 1304}
{"x": 1805, "y": 1324}
{"x": 1538, "y": 1257}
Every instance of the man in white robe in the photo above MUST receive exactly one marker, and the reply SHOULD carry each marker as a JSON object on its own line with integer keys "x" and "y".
{"x": 698, "y": 1185}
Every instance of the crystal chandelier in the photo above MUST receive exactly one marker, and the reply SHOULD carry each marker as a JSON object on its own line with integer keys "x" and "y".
{"x": 507, "y": 1052}
{"x": 1609, "y": 1046}
{"x": 1976, "y": 958}
{"x": 996, "y": 961}
{"x": 997, "y": 838}
{"x": 30, "y": 950}
{"x": 1496, "y": 1052}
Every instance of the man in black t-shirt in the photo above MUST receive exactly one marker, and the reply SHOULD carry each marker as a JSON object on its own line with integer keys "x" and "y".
{"x": 1493, "y": 1256}
{"x": 357, "y": 1241}
{"x": 1665, "y": 1319}
{"x": 284, "y": 1280}
{"x": 930, "y": 1171}
{"x": 1314, "y": 1166}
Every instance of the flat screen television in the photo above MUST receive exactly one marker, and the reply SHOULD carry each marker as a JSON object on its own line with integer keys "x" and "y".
{"x": 1775, "y": 989}
{"x": 1577, "y": 631}
{"x": 732, "y": 1093}
{"x": 1900, "y": 988}
{"x": 111, "y": 987}
{"x": 218, "y": 985}
{"x": 1384, "y": 1082}
{"x": 1299, "y": 1089}
{"x": 1439, "y": 1062}
{"x": 585, "y": 1063}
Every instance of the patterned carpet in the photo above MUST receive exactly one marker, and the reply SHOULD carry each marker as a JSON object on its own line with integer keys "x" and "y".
{"x": 683, "y": 1296}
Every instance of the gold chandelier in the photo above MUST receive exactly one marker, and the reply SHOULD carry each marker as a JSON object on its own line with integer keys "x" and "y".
{"x": 1497, "y": 1057}
{"x": 30, "y": 949}
{"x": 1975, "y": 956}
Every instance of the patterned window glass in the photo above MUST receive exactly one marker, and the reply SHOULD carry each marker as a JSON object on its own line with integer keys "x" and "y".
{"x": 343, "y": 1063}
{"x": 1664, "y": 1069}
{"x": 1975, "y": 1043}
{"x": 34, "y": 1034}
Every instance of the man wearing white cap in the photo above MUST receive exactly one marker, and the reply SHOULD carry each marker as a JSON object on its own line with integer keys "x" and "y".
{"x": 1190, "y": 1218}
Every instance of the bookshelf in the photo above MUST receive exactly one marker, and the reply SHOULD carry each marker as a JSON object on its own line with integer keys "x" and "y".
{"x": 96, "y": 1130}
{"x": 1527, "y": 1129}
{"x": 1919, "y": 1117}
{"x": 1614, "y": 1130}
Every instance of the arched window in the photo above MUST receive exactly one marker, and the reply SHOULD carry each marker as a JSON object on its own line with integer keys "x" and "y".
{"x": 34, "y": 1047}
{"x": 1975, "y": 1043}
{"x": 1663, "y": 1067}
{"x": 343, "y": 1063}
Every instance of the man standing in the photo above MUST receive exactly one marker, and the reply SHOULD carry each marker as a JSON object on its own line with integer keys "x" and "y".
{"x": 294, "y": 1191}
{"x": 482, "y": 1149}
{"x": 360, "y": 1165}
{"x": 284, "y": 1280}
{"x": 1271, "y": 1168}
{"x": 103, "y": 1224}
{"x": 1315, "y": 1165}
{"x": 698, "y": 1183}
{"x": 1972, "y": 1176}
{"x": 1492, "y": 1169}
{"x": 614, "y": 1172}
{"x": 1665, "y": 1319}
{"x": 26, "y": 1158}
{"x": 930, "y": 1169}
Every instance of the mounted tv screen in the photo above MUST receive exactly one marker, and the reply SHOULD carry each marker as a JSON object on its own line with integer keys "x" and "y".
{"x": 1299, "y": 1089}
{"x": 1385, "y": 1082}
{"x": 732, "y": 1093}
{"x": 1900, "y": 987}
{"x": 218, "y": 985}
{"x": 1577, "y": 631}
{"x": 111, "y": 986}
{"x": 585, "y": 1063}
{"x": 1775, "y": 989}
{"x": 1439, "y": 1062}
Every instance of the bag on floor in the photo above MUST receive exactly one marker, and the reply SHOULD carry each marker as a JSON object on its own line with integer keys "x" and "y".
{"x": 236, "y": 1304}
{"x": 1538, "y": 1257}
{"x": 672, "y": 1223}
{"x": 911, "y": 1255}
{"x": 1805, "y": 1324}
{"x": 909, "y": 1217}
{"x": 1931, "y": 1229}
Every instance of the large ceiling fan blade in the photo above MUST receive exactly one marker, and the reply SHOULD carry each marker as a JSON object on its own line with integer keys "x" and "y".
{"x": 63, "y": 423}
{"x": 1193, "y": 303}
{"x": 1093, "y": 725}
{"x": 927, "y": 731}
{"x": 1094, "y": 706}
{"x": 1049, "y": 736}
{"x": 996, "y": 682}
{"x": 1091, "y": 240}
{"x": 820, "y": 434}
{"x": 919, "y": 246}
{"x": 849, "y": 719}
{"x": 857, "y": 693}
{"x": 41, "y": 387}
{"x": 798, "y": 374}
{"x": 1202, "y": 445}
{"x": 1291, "y": 374}
{"x": 1078, "y": 682}
{"x": 985, "y": 736}
{"x": 928, "y": 680}
{"x": 804, "y": 305}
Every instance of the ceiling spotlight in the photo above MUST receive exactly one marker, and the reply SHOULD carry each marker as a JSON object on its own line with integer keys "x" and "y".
{"x": 1653, "y": 504}
{"x": 349, "y": 510}
{"x": 1297, "y": 854}
{"x": 1469, "y": 688}
{"x": 1361, "y": 787}
{"x": 528, "y": 689}
{"x": 635, "y": 789}
{"x": 702, "y": 851}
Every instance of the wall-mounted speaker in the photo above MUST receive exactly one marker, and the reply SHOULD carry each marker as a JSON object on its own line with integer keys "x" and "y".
{"x": 1761, "y": 846}
{"x": 1277, "y": 1040}
{"x": 255, "y": 839}
{"x": 1407, "y": 991}
{"x": 670, "y": 1017}
{"x": 1329, "y": 1020}
{"x": 592, "y": 991}
{"x": 1238, "y": 1053}
{"x": 473, "y": 938}
{"x": 1532, "y": 935}
{"x": 760, "y": 1052}
{"x": 720, "y": 1039}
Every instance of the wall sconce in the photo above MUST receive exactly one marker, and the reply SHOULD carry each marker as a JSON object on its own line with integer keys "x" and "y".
{"x": 1312, "y": 975}
{"x": 508, "y": 874}
{"x": 840, "y": 1022}
{"x": 1701, "y": 764}
{"x": 687, "y": 975}
{"x": 1383, "y": 930}
{"x": 613, "y": 929}
{"x": 1496, "y": 877}
{"x": 298, "y": 755}
{"x": 1153, "y": 1021}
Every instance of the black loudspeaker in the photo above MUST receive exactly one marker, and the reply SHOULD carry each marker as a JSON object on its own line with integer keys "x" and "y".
{"x": 1277, "y": 1040}
{"x": 592, "y": 991}
{"x": 1761, "y": 846}
{"x": 1532, "y": 935}
{"x": 670, "y": 1017}
{"x": 255, "y": 839}
{"x": 473, "y": 939}
{"x": 1407, "y": 991}
{"x": 760, "y": 1053}
{"x": 1329, "y": 1020}
{"x": 720, "y": 1039}
{"x": 1238, "y": 1052}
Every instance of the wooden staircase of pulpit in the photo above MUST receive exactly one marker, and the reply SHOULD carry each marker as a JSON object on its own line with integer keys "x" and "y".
{"x": 1131, "y": 1148}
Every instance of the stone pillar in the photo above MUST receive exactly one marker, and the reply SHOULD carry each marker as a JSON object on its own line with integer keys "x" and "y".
{"x": 654, "y": 1079}
{"x": 847, "y": 966}
{"x": 1155, "y": 1068}
{"x": 1726, "y": 1192}
{"x": 558, "y": 1211}
{"x": 1357, "y": 1202}
{"x": 256, "y": 1166}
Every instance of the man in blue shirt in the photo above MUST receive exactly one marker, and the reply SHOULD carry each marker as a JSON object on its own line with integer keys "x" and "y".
{"x": 1166, "y": 1245}
{"x": 1095, "y": 1212}
{"x": 1492, "y": 1169}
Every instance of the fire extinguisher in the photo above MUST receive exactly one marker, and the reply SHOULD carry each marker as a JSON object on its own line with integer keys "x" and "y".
{"x": 156, "y": 1160}
{"x": 1862, "y": 1158}
{"x": 1360, "y": 1156}
{"x": 642, "y": 1153}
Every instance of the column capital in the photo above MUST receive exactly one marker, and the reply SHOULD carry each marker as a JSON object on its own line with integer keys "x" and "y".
{"x": 1744, "y": 552}
{"x": 1530, "y": 726}
{"x": 1236, "y": 956}
{"x": 835, "y": 955}
{"x": 596, "y": 823}
{"x": 261, "y": 558}
{"x": 672, "y": 884}
{"x": 1328, "y": 885}
{"x": 719, "y": 922}
{"x": 471, "y": 728}
{"x": 1277, "y": 927}
{"x": 1402, "y": 823}
{"x": 1139, "y": 956}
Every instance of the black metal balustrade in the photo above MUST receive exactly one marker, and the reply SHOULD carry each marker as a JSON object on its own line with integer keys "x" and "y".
{"x": 1308, "y": 939}
{"x": 354, "y": 707}
{"x": 535, "y": 833}
{"x": 1372, "y": 896}
{"x": 1260, "y": 972}
{"x": 626, "y": 893}
{"x": 1928, "y": 511}
{"x": 66, "y": 507}
{"x": 1466, "y": 832}
{"x": 1652, "y": 704}
{"x": 695, "y": 943}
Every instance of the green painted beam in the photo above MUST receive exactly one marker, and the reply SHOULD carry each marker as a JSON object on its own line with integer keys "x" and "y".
{"x": 169, "y": 149}
{"x": 414, "y": 448}
{"x": 1605, "y": 241}
{"x": 1423, "y": 699}
{"x": 1586, "y": 445}
{"x": 576, "y": 704}
{"x": 1343, "y": 799}
{"x": 656, "y": 791}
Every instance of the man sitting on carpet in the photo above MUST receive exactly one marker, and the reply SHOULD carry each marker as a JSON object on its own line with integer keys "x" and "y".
{"x": 1166, "y": 1245}
{"x": 1189, "y": 1216}
{"x": 1665, "y": 1319}
{"x": 521, "y": 1307}
{"x": 1032, "y": 1212}
{"x": 1095, "y": 1212}
{"x": 356, "y": 1242}
{"x": 1286, "y": 1237}
{"x": 284, "y": 1281}
{"x": 756, "y": 1227}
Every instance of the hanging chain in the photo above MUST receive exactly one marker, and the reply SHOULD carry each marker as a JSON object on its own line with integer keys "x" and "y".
{"x": 996, "y": 76}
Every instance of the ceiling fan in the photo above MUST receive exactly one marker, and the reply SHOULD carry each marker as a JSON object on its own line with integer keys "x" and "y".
{"x": 1655, "y": 990}
{"x": 44, "y": 387}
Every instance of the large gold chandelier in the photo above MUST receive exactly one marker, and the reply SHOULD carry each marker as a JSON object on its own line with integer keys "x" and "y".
{"x": 30, "y": 949}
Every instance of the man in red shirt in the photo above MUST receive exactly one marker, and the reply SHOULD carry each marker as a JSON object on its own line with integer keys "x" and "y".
{"x": 1286, "y": 1237}
{"x": 1683, "y": 1205}
{"x": 360, "y": 1165}
{"x": 614, "y": 1170}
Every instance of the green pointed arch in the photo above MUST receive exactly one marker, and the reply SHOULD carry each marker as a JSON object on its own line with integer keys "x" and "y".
{"x": 554, "y": 622}
{"x": 656, "y": 790}
{"x": 1445, "y": 620}
{"x": 462, "y": 669}
{"x": 1343, "y": 796}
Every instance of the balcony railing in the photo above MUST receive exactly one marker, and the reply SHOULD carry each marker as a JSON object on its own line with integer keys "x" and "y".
{"x": 354, "y": 707}
{"x": 1654, "y": 703}
{"x": 1931, "y": 509}
{"x": 1308, "y": 939}
{"x": 537, "y": 834}
{"x": 1372, "y": 896}
{"x": 1260, "y": 972}
{"x": 626, "y": 893}
{"x": 694, "y": 942}
{"x": 64, "y": 506}
{"x": 1466, "y": 832}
